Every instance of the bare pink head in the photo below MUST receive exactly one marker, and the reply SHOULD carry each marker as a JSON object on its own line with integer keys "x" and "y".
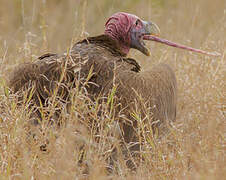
{"x": 128, "y": 30}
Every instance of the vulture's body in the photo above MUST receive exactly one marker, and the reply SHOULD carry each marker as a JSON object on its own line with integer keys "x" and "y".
{"x": 101, "y": 62}
{"x": 100, "y": 57}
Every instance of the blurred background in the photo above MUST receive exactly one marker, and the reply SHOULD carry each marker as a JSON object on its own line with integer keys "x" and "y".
{"x": 52, "y": 25}
{"x": 30, "y": 28}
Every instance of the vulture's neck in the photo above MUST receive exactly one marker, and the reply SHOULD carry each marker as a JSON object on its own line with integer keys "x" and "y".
{"x": 106, "y": 42}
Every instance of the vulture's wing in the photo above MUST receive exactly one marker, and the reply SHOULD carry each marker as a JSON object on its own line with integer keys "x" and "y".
{"x": 156, "y": 89}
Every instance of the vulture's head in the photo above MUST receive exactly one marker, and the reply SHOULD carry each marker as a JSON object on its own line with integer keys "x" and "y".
{"x": 129, "y": 31}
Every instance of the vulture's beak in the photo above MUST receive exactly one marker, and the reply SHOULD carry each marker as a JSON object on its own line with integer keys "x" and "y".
{"x": 147, "y": 28}
{"x": 151, "y": 28}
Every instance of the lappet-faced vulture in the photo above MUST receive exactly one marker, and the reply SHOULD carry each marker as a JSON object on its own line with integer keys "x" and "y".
{"x": 105, "y": 57}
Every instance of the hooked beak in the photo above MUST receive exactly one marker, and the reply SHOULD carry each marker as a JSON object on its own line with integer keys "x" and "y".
{"x": 148, "y": 28}
{"x": 151, "y": 28}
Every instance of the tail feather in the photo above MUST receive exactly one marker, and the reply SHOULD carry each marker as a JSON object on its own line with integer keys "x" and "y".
{"x": 27, "y": 72}
{"x": 22, "y": 75}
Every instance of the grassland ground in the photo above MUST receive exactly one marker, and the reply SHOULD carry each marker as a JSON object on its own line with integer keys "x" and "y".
{"x": 195, "y": 146}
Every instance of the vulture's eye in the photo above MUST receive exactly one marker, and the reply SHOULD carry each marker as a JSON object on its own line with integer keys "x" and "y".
{"x": 137, "y": 22}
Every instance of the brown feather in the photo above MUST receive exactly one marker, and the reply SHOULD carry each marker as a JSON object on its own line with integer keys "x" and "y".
{"x": 156, "y": 86}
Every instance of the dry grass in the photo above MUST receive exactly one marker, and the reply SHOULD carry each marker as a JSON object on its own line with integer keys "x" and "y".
{"x": 195, "y": 146}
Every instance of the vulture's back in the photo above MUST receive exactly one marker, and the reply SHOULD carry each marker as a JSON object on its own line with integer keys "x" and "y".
{"x": 97, "y": 56}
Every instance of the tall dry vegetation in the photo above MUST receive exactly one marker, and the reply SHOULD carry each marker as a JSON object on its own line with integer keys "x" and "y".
{"x": 195, "y": 146}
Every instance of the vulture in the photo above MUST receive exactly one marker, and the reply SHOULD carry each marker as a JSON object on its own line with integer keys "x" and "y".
{"x": 101, "y": 64}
